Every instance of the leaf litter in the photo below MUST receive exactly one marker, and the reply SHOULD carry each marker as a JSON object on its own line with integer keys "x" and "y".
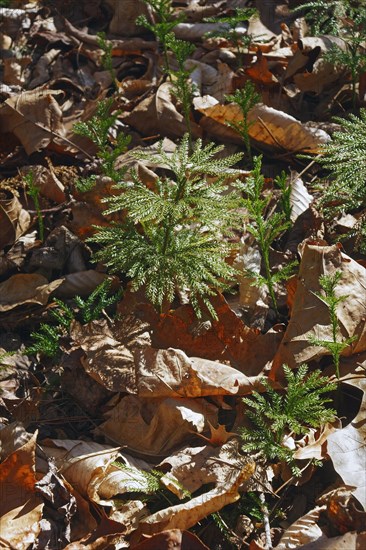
{"x": 128, "y": 437}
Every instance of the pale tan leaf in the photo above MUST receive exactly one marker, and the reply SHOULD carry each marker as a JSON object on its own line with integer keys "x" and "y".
{"x": 313, "y": 443}
{"x": 317, "y": 260}
{"x": 347, "y": 449}
{"x": 302, "y": 531}
{"x": 270, "y": 129}
{"x": 300, "y": 198}
{"x": 26, "y": 288}
{"x": 124, "y": 16}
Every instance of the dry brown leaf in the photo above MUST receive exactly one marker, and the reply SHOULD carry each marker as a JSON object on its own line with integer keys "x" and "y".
{"x": 155, "y": 427}
{"x": 26, "y": 288}
{"x": 80, "y": 283}
{"x": 349, "y": 541}
{"x": 347, "y": 448}
{"x": 47, "y": 183}
{"x": 20, "y": 506}
{"x": 270, "y": 128}
{"x": 34, "y": 117}
{"x": 14, "y": 220}
{"x": 302, "y": 531}
{"x": 226, "y": 339}
{"x": 159, "y": 114}
{"x": 14, "y": 70}
{"x": 260, "y": 73}
{"x": 323, "y": 260}
{"x": 218, "y": 436}
{"x": 124, "y": 16}
{"x": 194, "y": 467}
{"x": 184, "y": 516}
{"x": 175, "y": 538}
{"x": 126, "y": 362}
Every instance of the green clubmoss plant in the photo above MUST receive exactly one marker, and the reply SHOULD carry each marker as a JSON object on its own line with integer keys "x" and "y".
{"x": 276, "y": 416}
{"x": 323, "y": 16}
{"x": 162, "y": 24}
{"x": 246, "y": 98}
{"x": 353, "y": 56}
{"x": 46, "y": 341}
{"x": 229, "y": 30}
{"x": 173, "y": 236}
{"x": 97, "y": 129}
{"x": 281, "y": 181}
{"x": 33, "y": 192}
{"x": 182, "y": 86}
{"x": 107, "y": 60}
{"x": 345, "y": 158}
{"x": 328, "y": 296}
{"x": 265, "y": 229}
{"x": 98, "y": 301}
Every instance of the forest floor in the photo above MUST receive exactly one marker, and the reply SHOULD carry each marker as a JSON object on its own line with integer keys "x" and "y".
{"x": 133, "y": 416}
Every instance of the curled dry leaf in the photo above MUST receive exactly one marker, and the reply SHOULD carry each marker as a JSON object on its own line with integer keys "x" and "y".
{"x": 159, "y": 114}
{"x": 270, "y": 129}
{"x": 155, "y": 427}
{"x": 347, "y": 448}
{"x": 26, "y": 288}
{"x": 127, "y": 363}
{"x": 34, "y": 117}
{"x": 80, "y": 283}
{"x": 184, "y": 516}
{"x": 14, "y": 219}
{"x": 87, "y": 465}
{"x": 320, "y": 260}
{"x": 302, "y": 531}
{"x": 300, "y": 198}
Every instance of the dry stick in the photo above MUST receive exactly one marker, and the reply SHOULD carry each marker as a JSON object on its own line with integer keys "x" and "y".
{"x": 309, "y": 165}
{"x": 267, "y": 527}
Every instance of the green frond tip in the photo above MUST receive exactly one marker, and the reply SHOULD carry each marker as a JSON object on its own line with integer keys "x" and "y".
{"x": 275, "y": 416}
{"x": 345, "y": 158}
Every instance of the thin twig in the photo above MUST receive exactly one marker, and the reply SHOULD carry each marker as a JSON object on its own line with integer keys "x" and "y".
{"x": 266, "y": 524}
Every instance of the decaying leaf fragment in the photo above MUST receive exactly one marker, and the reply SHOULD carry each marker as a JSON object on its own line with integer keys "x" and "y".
{"x": 34, "y": 117}
{"x": 14, "y": 219}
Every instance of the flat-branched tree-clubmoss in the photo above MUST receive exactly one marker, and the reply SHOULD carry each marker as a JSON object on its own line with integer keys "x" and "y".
{"x": 173, "y": 237}
{"x": 276, "y": 416}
